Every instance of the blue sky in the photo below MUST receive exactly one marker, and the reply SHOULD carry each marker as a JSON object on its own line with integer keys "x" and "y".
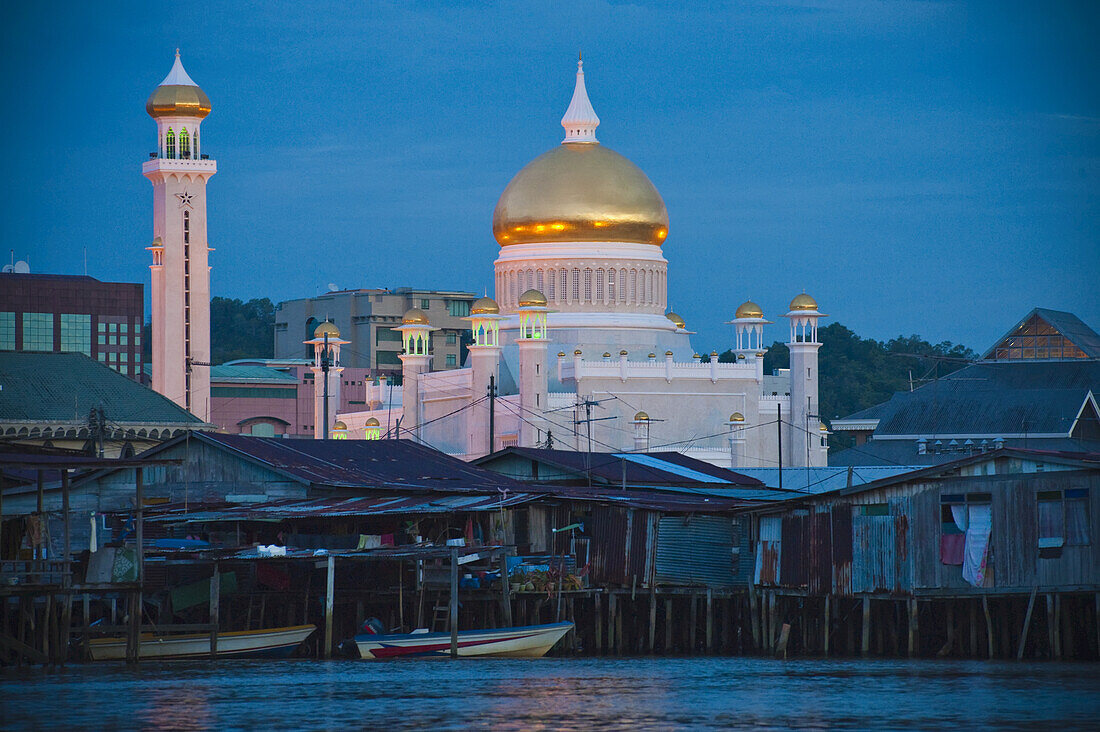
{"x": 919, "y": 167}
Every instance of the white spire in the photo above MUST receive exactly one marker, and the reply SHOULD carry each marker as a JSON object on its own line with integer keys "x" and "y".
{"x": 580, "y": 120}
{"x": 177, "y": 76}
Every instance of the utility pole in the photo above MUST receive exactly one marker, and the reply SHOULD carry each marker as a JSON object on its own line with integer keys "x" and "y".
{"x": 588, "y": 420}
{"x": 324, "y": 377}
{"x": 492, "y": 412}
{"x": 779, "y": 434}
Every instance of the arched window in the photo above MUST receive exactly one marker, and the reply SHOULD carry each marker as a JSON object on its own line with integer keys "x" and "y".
{"x": 611, "y": 285}
{"x": 599, "y": 284}
{"x": 634, "y": 286}
{"x": 185, "y": 144}
{"x": 622, "y": 285}
{"x": 576, "y": 284}
{"x": 564, "y": 293}
{"x": 170, "y": 143}
{"x": 530, "y": 279}
{"x": 550, "y": 281}
{"x": 538, "y": 280}
{"x": 588, "y": 284}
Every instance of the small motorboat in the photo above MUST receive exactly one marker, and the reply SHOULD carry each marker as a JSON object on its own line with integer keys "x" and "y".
{"x": 529, "y": 641}
{"x": 268, "y": 643}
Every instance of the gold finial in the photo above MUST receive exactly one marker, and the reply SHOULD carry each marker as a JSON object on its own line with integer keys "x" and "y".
{"x": 177, "y": 53}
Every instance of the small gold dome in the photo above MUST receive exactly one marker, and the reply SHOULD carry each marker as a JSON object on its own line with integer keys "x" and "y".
{"x": 668, "y": 353}
{"x": 606, "y": 354}
{"x": 749, "y": 309}
{"x": 641, "y": 417}
{"x": 415, "y": 316}
{"x": 622, "y": 353}
{"x": 676, "y": 320}
{"x": 326, "y": 327}
{"x": 485, "y": 306}
{"x": 178, "y": 96}
{"x": 577, "y": 352}
{"x": 737, "y": 417}
{"x": 580, "y": 191}
{"x": 823, "y": 428}
{"x": 561, "y": 354}
{"x": 372, "y": 422}
{"x": 532, "y": 299}
{"x": 339, "y": 425}
{"x": 803, "y": 302}
{"x": 653, "y": 355}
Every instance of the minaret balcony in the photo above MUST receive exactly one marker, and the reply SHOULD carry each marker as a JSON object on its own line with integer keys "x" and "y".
{"x": 183, "y": 165}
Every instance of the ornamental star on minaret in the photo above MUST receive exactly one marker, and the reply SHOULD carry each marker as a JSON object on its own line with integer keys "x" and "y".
{"x": 185, "y": 199}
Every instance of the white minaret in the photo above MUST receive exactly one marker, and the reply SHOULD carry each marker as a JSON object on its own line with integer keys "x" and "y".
{"x": 533, "y": 380}
{"x": 748, "y": 327}
{"x": 805, "y": 420}
{"x": 484, "y": 363}
{"x": 180, "y": 269}
{"x": 326, "y": 344}
{"x": 416, "y": 336}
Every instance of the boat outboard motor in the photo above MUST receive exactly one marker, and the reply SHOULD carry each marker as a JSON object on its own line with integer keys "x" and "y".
{"x": 373, "y": 626}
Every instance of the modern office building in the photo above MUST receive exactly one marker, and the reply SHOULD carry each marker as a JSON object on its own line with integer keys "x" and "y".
{"x": 368, "y": 317}
{"x": 73, "y": 313}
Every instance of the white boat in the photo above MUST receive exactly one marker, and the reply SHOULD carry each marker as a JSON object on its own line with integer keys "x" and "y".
{"x": 529, "y": 641}
{"x": 268, "y": 643}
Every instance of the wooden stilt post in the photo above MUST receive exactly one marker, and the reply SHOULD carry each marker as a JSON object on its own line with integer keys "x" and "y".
{"x": 950, "y": 642}
{"x": 1097, "y": 601}
{"x": 694, "y": 621}
{"x": 1027, "y": 624}
{"x": 754, "y": 616}
{"x": 454, "y": 602}
{"x": 612, "y": 612}
{"x": 215, "y": 609}
{"x": 710, "y": 620}
{"x": 773, "y": 620}
{"x": 505, "y": 588}
{"x": 1057, "y": 626}
{"x": 865, "y": 643}
{"x": 973, "y": 628}
{"x": 133, "y": 649}
{"x": 781, "y": 644}
{"x": 825, "y": 630}
{"x": 330, "y": 601}
{"x": 1050, "y": 624}
{"x": 668, "y": 625}
{"x": 652, "y": 617}
{"x": 619, "y": 631}
{"x": 913, "y": 613}
{"x": 988, "y": 626}
{"x": 598, "y": 602}
{"x": 47, "y": 649}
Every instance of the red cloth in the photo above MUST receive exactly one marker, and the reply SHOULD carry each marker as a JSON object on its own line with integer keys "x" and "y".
{"x": 952, "y": 548}
{"x": 387, "y": 540}
{"x": 272, "y": 576}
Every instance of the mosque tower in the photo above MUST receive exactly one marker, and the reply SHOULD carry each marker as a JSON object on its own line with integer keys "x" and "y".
{"x": 533, "y": 379}
{"x": 805, "y": 419}
{"x": 326, "y": 344}
{"x": 416, "y": 337}
{"x": 180, "y": 271}
{"x": 484, "y": 370}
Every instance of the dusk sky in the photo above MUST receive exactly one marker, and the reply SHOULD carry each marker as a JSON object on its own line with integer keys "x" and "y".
{"x": 918, "y": 167}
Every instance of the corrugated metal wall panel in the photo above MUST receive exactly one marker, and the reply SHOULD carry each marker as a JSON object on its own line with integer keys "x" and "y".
{"x": 841, "y": 517}
{"x": 793, "y": 567}
{"x": 638, "y": 551}
{"x": 768, "y": 551}
{"x": 820, "y": 550}
{"x": 874, "y": 555}
{"x": 924, "y": 535}
{"x": 608, "y": 544}
{"x": 696, "y": 550}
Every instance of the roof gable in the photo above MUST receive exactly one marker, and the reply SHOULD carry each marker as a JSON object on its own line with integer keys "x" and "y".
{"x": 1046, "y": 334}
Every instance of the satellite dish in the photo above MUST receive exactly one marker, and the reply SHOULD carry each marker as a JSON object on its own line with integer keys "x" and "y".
{"x": 22, "y": 267}
{"x": 332, "y": 287}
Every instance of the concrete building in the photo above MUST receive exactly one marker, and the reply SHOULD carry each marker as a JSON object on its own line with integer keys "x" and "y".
{"x": 73, "y": 314}
{"x": 367, "y": 318}
{"x": 578, "y": 349}
{"x": 179, "y": 171}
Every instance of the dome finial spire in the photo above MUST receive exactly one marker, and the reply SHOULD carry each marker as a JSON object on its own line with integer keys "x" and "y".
{"x": 580, "y": 120}
{"x": 177, "y": 51}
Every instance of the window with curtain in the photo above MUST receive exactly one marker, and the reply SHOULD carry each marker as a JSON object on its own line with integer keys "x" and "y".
{"x": 1063, "y": 520}
{"x": 170, "y": 143}
{"x": 185, "y": 144}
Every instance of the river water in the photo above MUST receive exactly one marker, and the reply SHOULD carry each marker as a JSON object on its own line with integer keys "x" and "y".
{"x": 556, "y": 693}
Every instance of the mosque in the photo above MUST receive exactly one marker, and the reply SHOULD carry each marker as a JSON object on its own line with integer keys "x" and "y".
{"x": 578, "y": 349}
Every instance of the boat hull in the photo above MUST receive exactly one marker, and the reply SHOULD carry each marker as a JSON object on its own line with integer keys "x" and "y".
{"x": 269, "y": 643}
{"x": 531, "y": 641}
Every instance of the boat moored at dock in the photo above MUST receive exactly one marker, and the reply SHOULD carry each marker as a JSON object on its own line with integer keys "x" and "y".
{"x": 530, "y": 641}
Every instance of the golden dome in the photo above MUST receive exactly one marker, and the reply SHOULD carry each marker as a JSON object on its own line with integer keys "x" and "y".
{"x": 485, "y": 306}
{"x": 577, "y": 352}
{"x": 326, "y": 327}
{"x": 737, "y": 417}
{"x": 668, "y": 353}
{"x": 607, "y": 354}
{"x": 415, "y": 316}
{"x": 823, "y": 428}
{"x": 653, "y": 355}
{"x": 622, "y": 353}
{"x": 339, "y": 425}
{"x": 372, "y": 422}
{"x": 676, "y": 320}
{"x": 580, "y": 191}
{"x": 178, "y": 96}
{"x": 532, "y": 299}
{"x": 561, "y": 354}
{"x": 749, "y": 309}
{"x": 803, "y": 302}
{"x": 641, "y": 417}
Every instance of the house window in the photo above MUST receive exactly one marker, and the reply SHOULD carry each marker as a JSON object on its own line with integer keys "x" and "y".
{"x": 425, "y": 303}
{"x": 874, "y": 509}
{"x": 966, "y": 522}
{"x": 458, "y": 308}
{"x": 37, "y": 331}
{"x": 7, "y": 331}
{"x": 452, "y": 338}
{"x": 1063, "y": 517}
{"x": 452, "y": 359}
{"x": 76, "y": 333}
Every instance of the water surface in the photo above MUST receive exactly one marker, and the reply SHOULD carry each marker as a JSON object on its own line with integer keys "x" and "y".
{"x": 556, "y": 693}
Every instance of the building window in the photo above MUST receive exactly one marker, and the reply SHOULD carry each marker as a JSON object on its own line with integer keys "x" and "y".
{"x": 538, "y": 280}
{"x": 76, "y": 333}
{"x": 576, "y": 284}
{"x": 611, "y": 285}
{"x": 1063, "y": 517}
{"x": 170, "y": 143}
{"x": 458, "y": 308}
{"x": 425, "y": 303}
{"x": 452, "y": 338}
{"x": 550, "y": 281}
{"x": 564, "y": 292}
{"x": 7, "y": 331}
{"x": 37, "y": 331}
{"x": 185, "y": 144}
{"x": 186, "y": 229}
{"x": 452, "y": 359}
{"x": 633, "y": 285}
{"x": 599, "y": 285}
{"x": 587, "y": 285}
{"x": 622, "y": 285}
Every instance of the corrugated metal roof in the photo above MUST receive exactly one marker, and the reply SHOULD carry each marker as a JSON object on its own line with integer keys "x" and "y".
{"x": 250, "y": 374}
{"x": 378, "y": 464}
{"x": 637, "y": 469}
{"x": 64, "y": 387}
{"x": 800, "y": 481}
{"x": 348, "y": 508}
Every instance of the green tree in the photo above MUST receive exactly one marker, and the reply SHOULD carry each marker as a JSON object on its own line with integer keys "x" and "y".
{"x": 241, "y": 329}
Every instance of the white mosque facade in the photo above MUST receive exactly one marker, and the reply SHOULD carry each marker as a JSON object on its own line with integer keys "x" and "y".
{"x": 577, "y": 347}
